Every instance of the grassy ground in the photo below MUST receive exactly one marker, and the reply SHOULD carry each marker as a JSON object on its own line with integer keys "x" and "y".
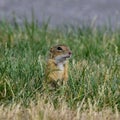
{"x": 93, "y": 89}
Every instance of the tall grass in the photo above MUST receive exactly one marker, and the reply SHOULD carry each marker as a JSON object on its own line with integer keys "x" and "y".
{"x": 94, "y": 71}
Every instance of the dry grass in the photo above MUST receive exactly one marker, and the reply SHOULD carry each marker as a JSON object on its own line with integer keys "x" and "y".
{"x": 46, "y": 111}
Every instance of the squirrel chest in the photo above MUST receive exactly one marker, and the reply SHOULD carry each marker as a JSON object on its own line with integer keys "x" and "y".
{"x": 56, "y": 71}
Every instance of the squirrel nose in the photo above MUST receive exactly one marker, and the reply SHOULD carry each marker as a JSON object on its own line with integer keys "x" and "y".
{"x": 70, "y": 53}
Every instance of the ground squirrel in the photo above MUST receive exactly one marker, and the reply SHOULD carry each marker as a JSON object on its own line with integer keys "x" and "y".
{"x": 57, "y": 64}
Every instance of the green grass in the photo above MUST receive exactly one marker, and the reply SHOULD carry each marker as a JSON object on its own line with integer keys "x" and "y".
{"x": 94, "y": 72}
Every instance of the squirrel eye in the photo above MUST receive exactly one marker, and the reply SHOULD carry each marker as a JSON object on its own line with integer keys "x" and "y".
{"x": 59, "y": 48}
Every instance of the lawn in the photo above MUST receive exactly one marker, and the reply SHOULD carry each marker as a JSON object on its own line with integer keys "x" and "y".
{"x": 93, "y": 88}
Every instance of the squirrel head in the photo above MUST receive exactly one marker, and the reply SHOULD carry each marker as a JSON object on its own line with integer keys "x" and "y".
{"x": 60, "y": 53}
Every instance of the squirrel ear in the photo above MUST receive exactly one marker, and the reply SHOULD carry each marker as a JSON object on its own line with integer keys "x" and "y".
{"x": 50, "y": 53}
{"x": 51, "y": 49}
